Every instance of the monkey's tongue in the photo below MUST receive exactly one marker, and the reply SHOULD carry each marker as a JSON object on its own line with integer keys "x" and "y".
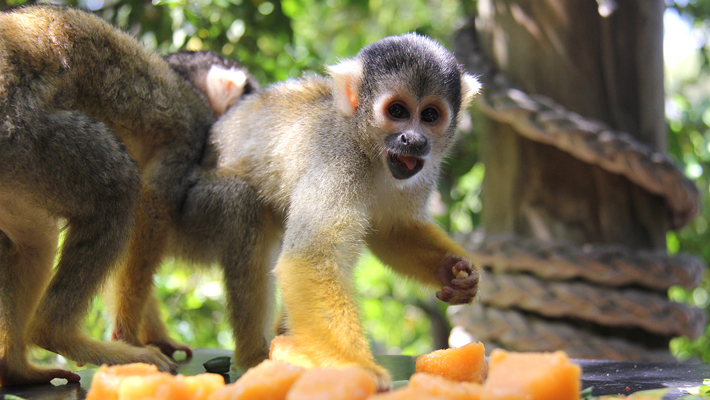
{"x": 409, "y": 161}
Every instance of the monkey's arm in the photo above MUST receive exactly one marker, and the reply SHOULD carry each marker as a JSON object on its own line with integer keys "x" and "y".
{"x": 322, "y": 241}
{"x": 426, "y": 253}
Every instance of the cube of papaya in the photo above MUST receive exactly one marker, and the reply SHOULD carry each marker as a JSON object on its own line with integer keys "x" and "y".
{"x": 463, "y": 364}
{"x": 270, "y": 380}
{"x": 143, "y": 381}
{"x": 440, "y": 386}
{"x": 531, "y": 376}
{"x": 352, "y": 383}
{"x": 406, "y": 393}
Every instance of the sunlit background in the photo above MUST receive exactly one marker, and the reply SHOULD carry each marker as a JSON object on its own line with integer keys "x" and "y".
{"x": 279, "y": 40}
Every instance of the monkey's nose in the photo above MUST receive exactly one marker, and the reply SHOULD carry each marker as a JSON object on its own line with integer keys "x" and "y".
{"x": 414, "y": 143}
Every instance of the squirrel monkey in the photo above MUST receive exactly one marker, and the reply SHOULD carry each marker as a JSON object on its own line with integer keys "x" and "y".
{"x": 98, "y": 132}
{"x": 322, "y": 167}
{"x": 343, "y": 162}
{"x": 204, "y": 230}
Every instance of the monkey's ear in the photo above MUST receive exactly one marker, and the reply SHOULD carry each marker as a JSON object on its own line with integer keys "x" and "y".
{"x": 224, "y": 87}
{"x": 346, "y": 79}
{"x": 469, "y": 89}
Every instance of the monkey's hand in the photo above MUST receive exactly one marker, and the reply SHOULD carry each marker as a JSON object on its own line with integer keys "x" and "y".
{"x": 459, "y": 278}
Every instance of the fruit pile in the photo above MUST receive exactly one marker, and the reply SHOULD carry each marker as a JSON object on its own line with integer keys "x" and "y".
{"x": 453, "y": 374}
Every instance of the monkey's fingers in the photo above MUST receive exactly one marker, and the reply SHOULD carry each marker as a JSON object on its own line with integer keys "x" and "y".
{"x": 467, "y": 283}
{"x": 445, "y": 294}
{"x": 168, "y": 347}
{"x": 453, "y": 296}
{"x": 463, "y": 268}
{"x": 160, "y": 360}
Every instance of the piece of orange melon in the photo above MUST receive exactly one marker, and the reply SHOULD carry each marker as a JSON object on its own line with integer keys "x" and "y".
{"x": 352, "y": 383}
{"x": 406, "y": 393}
{"x": 463, "y": 364}
{"x": 144, "y": 382}
{"x": 440, "y": 386}
{"x": 270, "y": 380}
{"x": 531, "y": 376}
{"x": 107, "y": 380}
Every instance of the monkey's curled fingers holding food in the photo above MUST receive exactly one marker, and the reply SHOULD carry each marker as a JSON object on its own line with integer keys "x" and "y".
{"x": 459, "y": 278}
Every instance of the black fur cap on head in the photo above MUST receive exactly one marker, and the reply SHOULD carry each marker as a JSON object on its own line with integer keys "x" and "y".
{"x": 427, "y": 65}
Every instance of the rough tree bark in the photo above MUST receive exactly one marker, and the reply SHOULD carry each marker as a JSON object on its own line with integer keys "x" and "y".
{"x": 605, "y": 68}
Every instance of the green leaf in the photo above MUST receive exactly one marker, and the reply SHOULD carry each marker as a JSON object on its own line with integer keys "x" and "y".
{"x": 586, "y": 393}
{"x": 654, "y": 394}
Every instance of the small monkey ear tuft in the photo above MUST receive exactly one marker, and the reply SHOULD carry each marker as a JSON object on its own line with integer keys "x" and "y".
{"x": 346, "y": 81}
{"x": 469, "y": 89}
{"x": 224, "y": 87}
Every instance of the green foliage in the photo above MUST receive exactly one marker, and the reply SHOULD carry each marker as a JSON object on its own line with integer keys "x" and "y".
{"x": 276, "y": 39}
{"x": 688, "y": 117}
{"x": 392, "y": 317}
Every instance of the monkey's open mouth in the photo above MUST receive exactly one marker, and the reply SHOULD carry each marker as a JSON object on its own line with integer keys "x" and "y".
{"x": 403, "y": 166}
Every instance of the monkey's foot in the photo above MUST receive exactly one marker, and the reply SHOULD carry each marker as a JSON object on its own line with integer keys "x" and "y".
{"x": 287, "y": 348}
{"x": 459, "y": 278}
{"x": 81, "y": 349}
{"x": 27, "y": 374}
{"x": 169, "y": 347}
{"x": 153, "y": 355}
{"x": 381, "y": 375}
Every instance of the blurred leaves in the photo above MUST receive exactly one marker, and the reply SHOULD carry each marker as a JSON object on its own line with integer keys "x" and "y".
{"x": 276, "y": 40}
{"x": 688, "y": 118}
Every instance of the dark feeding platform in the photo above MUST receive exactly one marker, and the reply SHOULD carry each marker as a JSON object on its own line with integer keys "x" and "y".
{"x": 605, "y": 377}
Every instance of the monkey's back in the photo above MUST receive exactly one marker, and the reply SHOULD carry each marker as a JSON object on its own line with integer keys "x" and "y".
{"x": 58, "y": 58}
{"x": 274, "y": 154}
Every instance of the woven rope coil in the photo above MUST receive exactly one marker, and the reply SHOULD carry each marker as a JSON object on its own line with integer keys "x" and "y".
{"x": 541, "y": 119}
{"x": 609, "y": 265}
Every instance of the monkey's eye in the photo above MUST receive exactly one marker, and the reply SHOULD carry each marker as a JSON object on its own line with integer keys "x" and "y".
{"x": 430, "y": 115}
{"x": 398, "y": 111}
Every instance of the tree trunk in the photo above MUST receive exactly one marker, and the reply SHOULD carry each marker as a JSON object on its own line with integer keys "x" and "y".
{"x": 577, "y": 195}
{"x": 605, "y": 68}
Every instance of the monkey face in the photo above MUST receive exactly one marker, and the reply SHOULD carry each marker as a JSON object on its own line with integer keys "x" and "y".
{"x": 412, "y": 131}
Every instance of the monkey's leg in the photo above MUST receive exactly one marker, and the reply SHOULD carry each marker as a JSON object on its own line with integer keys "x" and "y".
{"x": 223, "y": 221}
{"x": 28, "y": 241}
{"x": 166, "y": 184}
{"x": 154, "y": 332}
{"x": 426, "y": 253}
{"x": 250, "y": 292}
{"x": 87, "y": 176}
{"x": 134, "y": 281}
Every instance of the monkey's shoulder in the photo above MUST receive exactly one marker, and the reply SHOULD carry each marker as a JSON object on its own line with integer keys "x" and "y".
{"x": 303, "y": 91}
